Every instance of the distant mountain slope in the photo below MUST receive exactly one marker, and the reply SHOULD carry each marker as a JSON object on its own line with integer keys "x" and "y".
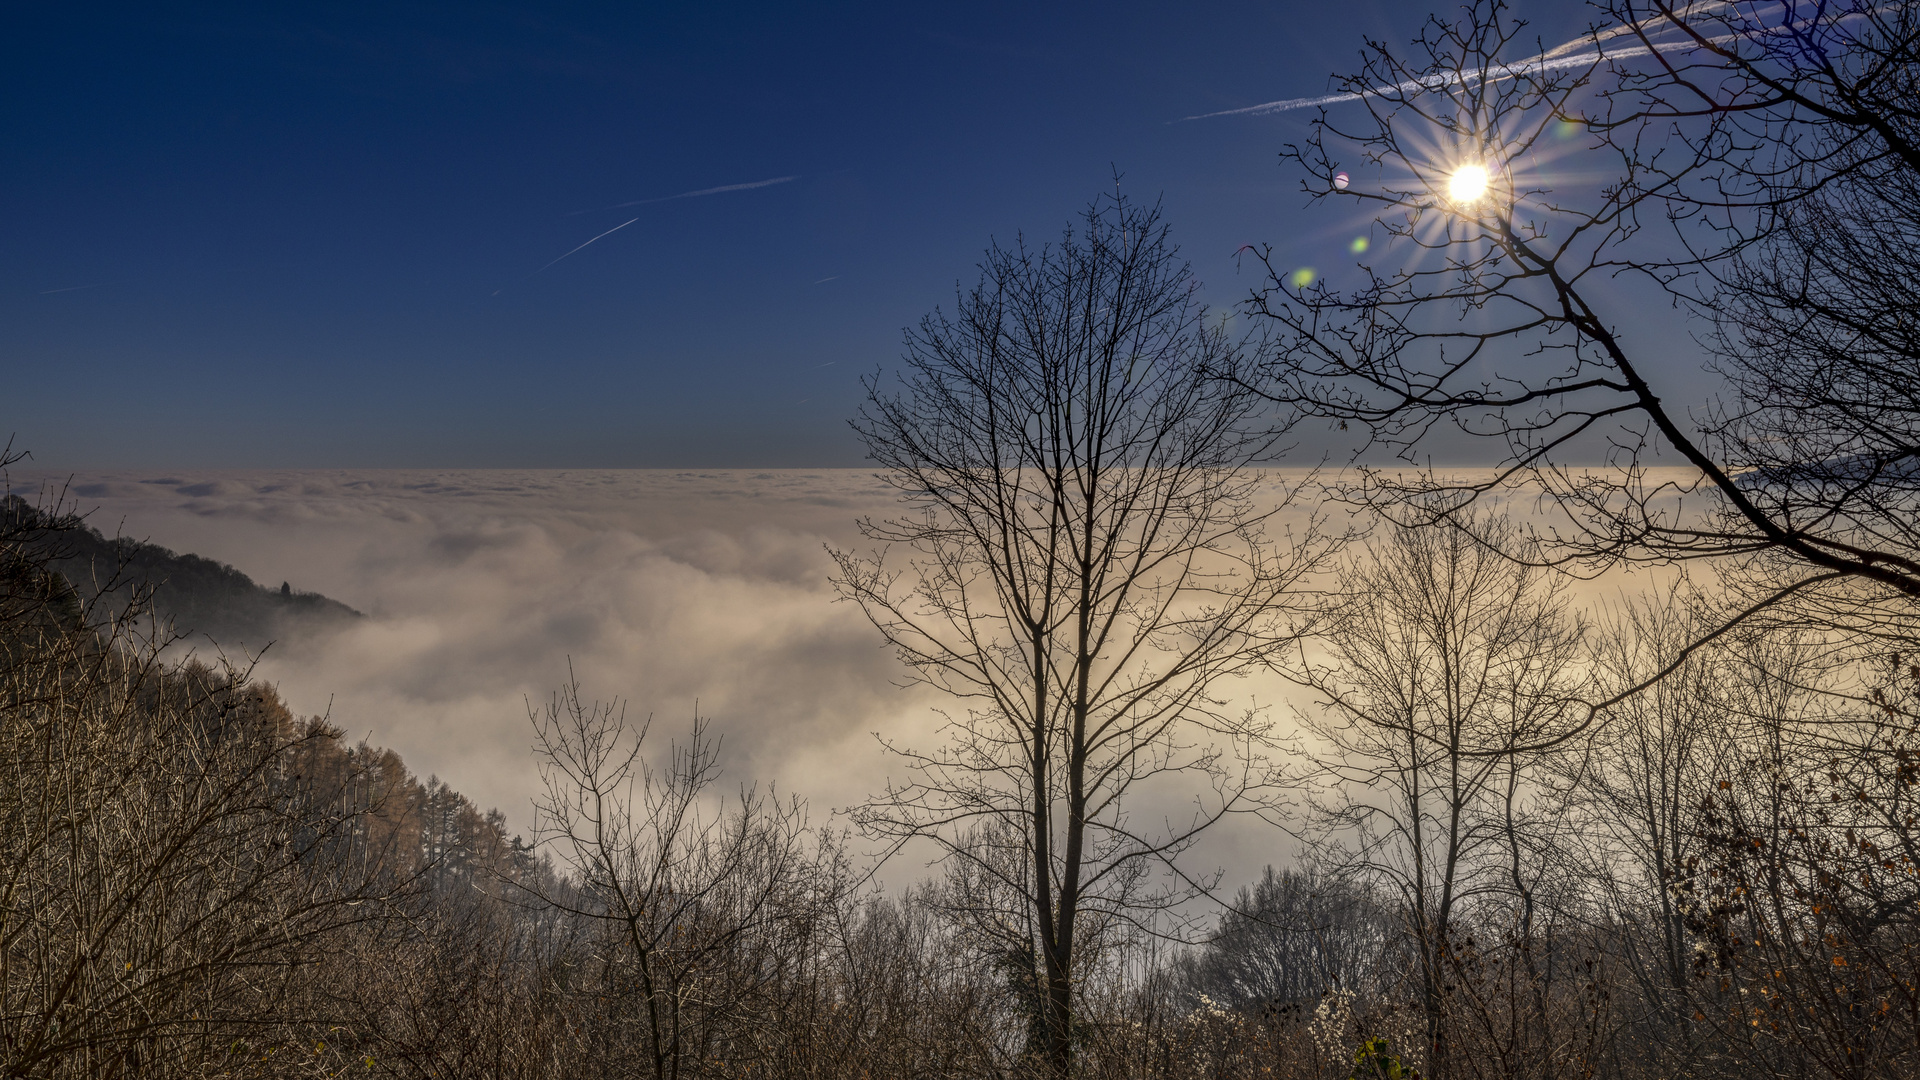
{"x": 204, "y": 599}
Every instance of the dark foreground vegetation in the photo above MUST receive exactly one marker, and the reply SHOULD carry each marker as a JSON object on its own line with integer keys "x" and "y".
{"x": 1675, "y": 836}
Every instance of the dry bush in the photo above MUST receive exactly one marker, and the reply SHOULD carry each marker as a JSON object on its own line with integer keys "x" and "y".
{"x": 167, "y": 879}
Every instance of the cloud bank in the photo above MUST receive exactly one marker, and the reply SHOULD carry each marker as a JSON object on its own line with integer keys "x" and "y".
{"x": 663, "y": 588}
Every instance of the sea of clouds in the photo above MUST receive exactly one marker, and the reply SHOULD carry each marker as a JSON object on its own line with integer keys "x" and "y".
{"x": 483, "y": 589}
{"x": 668, "y": 590}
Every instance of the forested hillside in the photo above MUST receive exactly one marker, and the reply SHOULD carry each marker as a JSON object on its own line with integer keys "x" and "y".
{"x": 195, "y": 881}
{"x": 204, "y": 601}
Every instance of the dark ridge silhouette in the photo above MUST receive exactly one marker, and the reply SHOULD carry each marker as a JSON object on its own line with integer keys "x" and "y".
{"x": 204, "y": 600}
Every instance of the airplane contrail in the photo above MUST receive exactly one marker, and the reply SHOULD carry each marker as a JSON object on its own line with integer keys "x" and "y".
{"x": 667, "y": 198}
{"x": 1508, "y": 71}
{"x": 1554, "y": 59}
{"x": 609, "y": 232}
{"x": 693, "y": 194}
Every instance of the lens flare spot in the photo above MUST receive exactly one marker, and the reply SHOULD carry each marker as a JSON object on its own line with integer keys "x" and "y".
{"x": 1468, "y": 183}
{"x": 1302, "y": 277}
{"x": 1359, "y": 245}
{"x": 1568, "y": 127}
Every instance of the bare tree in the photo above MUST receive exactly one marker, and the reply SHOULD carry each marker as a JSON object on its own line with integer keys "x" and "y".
{"x": 167, "y": 881}
{"x": 1085, "y": 563}
{"x": 689, "y": 894}
{"x": 1637, "y": 786}
{"x": 1757, "y": 165}
{"x": 1778, "y": 142}
{"x": 1446, "y": 664}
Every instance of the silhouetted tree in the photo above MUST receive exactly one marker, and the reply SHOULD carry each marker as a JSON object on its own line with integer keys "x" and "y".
{"x": 1447, "y": 667}
{"x": 690, "y": 900}
{"x": 1085, "y": 562}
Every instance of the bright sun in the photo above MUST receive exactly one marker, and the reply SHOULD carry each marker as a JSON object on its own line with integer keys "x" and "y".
{"x": 1468, "y": 184}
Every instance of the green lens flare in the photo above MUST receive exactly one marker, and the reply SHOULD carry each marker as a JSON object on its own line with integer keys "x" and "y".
{"x": 1359, "y": 245}
{"x": 1303, "y": 277}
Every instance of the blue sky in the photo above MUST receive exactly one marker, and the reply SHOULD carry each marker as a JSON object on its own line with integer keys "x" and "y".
{"x": 313, "y": 235}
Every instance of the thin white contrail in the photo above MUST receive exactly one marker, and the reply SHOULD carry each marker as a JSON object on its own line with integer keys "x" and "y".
{"x": 609, "y": 232}
{"x": 722, "y": 189}
{"x": 712, "y": 191}
{"x": 666, "y": 198}
{"x": 1554, "y": 59}
{"x": 1543, "y": 62}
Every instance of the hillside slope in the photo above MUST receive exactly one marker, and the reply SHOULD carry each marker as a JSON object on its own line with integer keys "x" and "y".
{"x": 206, "y": 601}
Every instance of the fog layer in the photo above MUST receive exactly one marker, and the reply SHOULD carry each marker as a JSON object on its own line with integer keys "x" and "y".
{"x": 663, "y": 588}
